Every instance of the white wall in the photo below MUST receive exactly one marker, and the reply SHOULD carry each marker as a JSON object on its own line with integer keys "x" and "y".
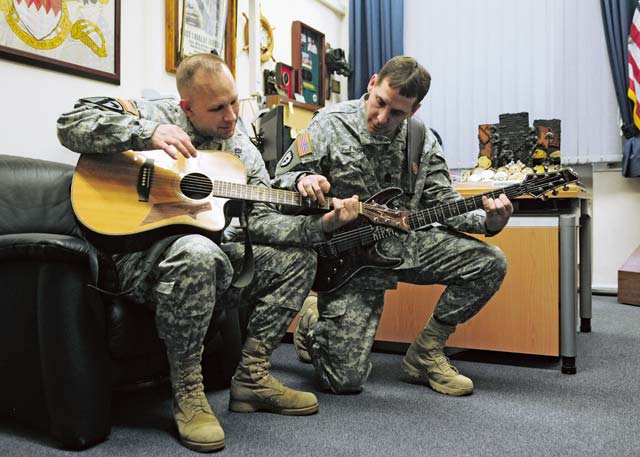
{"x": 544, "y": 57}
{"x": 33, "y": 98}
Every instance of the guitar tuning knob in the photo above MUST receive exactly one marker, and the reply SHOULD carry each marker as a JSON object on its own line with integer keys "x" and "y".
{"x": 565, "y": 187}
{"x": 554, "y": 192}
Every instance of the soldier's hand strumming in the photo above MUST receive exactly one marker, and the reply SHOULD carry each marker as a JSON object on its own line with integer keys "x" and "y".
{"x": 173, "y": 140}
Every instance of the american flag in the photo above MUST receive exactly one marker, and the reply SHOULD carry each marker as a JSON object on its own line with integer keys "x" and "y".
{"x": 303, "y": 142}
{"x": 634, "y": 65}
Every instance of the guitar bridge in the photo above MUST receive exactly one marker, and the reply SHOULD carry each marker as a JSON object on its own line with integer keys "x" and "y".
{"x": 145, "y": 175}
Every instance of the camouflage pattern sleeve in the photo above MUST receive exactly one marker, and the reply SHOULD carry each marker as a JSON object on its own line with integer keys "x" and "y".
{"x": 305, "y": 156}
{"x": 105, "y": 125}
{"x": 266, "y": 224}
{"x": 438, "y": 187}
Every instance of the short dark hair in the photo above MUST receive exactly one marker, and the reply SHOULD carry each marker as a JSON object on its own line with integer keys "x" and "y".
{"x": 407, "y": 75}
{"x": 190, "y": 65}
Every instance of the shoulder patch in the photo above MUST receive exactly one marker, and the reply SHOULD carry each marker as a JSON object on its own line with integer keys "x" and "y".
{"x": 117, "y": 105}
{"x": 286, "y": 159}
{"x": 303, "y": 144}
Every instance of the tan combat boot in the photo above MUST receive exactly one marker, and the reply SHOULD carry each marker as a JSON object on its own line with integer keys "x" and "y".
{"x": 425, "y": 361}
{"x": 253, "y": 388}
{"x": 198, "y": 428}
{"x": 308, "y": 318}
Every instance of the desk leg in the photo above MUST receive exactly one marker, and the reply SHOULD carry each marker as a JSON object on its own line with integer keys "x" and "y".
{"x": 585, "y": 266}
{"x": 568, "y": 260}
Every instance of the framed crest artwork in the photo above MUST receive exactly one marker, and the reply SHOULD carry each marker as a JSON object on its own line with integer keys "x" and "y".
{"x": 79, "y": 38}
{"x": 196, "y": 26}
{"x": 307, "y": 56}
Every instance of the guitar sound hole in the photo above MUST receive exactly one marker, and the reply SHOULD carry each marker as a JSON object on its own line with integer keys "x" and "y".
{"x": 196, "y": 186}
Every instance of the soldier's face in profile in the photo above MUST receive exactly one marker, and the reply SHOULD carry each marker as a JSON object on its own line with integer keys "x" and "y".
{"x": 386, "y": 108}
{"x": 211, "y": 104}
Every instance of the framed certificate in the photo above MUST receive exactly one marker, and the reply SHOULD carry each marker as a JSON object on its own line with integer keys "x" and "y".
{"x": 196, "y": 26}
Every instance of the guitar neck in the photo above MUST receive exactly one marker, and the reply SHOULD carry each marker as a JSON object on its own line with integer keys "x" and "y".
{"x": 441, "y": 213}
{"x": 264, "y": 194}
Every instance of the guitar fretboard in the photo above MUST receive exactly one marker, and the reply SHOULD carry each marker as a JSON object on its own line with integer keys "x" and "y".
{"x": 264, "y": 194}
{"x": 441, "y": 213}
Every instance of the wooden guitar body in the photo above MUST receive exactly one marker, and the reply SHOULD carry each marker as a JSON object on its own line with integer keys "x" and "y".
{"x": 141, "y": 196}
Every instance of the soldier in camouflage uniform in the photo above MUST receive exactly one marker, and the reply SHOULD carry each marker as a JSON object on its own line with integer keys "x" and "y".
{"x": 359, "y": 146}
{"x": 191, "y": 274}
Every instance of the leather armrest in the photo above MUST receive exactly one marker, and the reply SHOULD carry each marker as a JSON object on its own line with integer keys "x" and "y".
{"x": 48, "y": 247}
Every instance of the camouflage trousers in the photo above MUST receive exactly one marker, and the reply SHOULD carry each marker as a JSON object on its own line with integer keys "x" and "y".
{"x": 340, "y": 343}
{"x": 193, "y": 275}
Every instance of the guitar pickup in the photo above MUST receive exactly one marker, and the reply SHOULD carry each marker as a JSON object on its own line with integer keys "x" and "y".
{"x": 145, "y": 175}
{"x": 325, "y": 249}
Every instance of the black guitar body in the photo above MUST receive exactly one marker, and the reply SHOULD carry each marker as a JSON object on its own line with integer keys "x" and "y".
{"x": 336, "y": 268}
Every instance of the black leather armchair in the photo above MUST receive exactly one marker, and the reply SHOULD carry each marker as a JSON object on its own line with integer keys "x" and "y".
{"x": 64, "y": 347}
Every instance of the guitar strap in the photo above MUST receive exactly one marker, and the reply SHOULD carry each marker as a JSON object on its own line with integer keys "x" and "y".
{"x": 415, "y": 143}
{"x": 248, "y": 266}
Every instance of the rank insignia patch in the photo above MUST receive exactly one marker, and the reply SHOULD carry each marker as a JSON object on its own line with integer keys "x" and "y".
{"x": 303, "y": 143}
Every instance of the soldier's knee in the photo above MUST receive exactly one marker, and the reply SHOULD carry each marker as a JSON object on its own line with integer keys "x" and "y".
{"x": 496, "y": 261}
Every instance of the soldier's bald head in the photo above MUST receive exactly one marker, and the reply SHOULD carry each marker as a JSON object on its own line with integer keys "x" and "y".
{"x": 190, "y": 67}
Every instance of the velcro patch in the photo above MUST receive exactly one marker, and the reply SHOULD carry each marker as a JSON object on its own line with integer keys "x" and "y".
{"x": 117, "y": 105}
{"x": 303, "y": 144}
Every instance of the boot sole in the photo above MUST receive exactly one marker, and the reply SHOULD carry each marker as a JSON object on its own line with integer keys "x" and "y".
{"x": 238, "y": 406}
{"x": 417, "y": 375}
{"x": 203, "y": 447}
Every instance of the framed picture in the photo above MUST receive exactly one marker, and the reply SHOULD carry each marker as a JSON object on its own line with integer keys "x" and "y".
{"x": 307, "y": 57}
{"x": 79, "y": 38}
{"x": 194, "y": 26}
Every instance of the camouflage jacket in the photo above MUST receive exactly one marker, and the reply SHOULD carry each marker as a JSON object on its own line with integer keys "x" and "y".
{"x": 103, "y": 125}
{"x": 336, "y": 144}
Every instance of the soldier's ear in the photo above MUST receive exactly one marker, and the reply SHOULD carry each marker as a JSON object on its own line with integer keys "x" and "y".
{"x": 185, "y": 104}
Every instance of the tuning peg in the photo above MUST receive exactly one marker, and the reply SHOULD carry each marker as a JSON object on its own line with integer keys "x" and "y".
{"x": 554, "y": 192}
{"x": 565, "y": 187}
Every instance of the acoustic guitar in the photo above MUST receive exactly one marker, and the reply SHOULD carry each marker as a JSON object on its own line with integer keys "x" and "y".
{"x": 139, "y": 196}
{"x": 355, "y": 246}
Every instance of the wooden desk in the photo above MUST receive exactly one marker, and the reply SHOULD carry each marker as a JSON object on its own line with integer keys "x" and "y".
{"x": 534, "y": 311}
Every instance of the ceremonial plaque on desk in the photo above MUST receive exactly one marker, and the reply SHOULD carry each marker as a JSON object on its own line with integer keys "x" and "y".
{"x": 307, "y": 56}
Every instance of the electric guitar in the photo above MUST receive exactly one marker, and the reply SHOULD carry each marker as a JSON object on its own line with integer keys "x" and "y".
{"x": 352, "y": 249}
{"x": 139, "y": 196}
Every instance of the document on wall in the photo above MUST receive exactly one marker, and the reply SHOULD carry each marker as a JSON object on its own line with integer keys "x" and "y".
{"x": 203, "y": 27}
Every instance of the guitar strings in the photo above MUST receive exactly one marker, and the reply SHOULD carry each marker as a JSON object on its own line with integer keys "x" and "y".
{"x": 367, "y": 233}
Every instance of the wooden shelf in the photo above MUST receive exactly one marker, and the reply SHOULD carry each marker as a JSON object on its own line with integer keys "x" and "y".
{"x": 282, "y": 100}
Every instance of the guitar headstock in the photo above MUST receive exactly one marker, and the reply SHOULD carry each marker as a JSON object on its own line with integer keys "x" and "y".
{"x": 383, "y": 215}
{"x": 537, "y": 185}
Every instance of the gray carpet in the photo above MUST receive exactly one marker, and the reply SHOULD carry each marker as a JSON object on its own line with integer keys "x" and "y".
{"x": 522, "y": 406}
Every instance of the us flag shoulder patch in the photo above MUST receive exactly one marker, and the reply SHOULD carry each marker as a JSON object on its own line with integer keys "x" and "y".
{"x": 303, "y": 144}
